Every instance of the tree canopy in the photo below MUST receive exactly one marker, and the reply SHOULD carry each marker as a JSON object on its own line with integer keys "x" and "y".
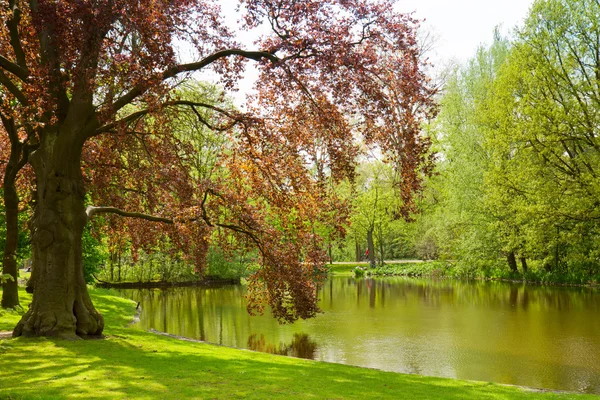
{"x": 90, "y": 86}
{"x": 518, "y": 153}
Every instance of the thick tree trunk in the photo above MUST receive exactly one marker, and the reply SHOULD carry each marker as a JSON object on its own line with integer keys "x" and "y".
{"x": 512, "y": 261}
{"x": 61, "y": 304}
{"x": 10, "y": 292}
{"x": 371, "y": 247}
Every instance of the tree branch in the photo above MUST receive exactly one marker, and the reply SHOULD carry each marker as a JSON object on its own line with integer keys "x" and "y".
{"x": 91, "y": 211}
{"x": 13, "y": 27}
{"x": 12, "y": 88}
{"x": 191, "y": 104}
{"x": 11, "y": 130}
{"x": 177, "y": 69}
{"x": 13, "y": 68}
{"x": 234, "y": 228}
{"x": 112, "y": 125}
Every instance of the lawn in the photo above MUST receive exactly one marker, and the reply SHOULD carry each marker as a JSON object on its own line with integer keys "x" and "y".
{"x": 345, "y": 268}
{"x": 135, "y": 364}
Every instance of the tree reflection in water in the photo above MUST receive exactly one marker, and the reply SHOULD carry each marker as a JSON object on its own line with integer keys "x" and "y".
{"x": 301, "y": 347}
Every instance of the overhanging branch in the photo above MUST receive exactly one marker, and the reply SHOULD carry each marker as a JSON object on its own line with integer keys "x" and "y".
{"x": 13, "y": 68}
{"x": 192, "y": 104}
{"x": 91, "y": 211}
{"x": 196, "y": 66}
{"x": 112, "y": 125}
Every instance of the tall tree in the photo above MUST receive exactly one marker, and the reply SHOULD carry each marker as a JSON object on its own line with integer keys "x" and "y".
{"x": 374, "y": 206}
{"x": 459, "y": 220}
{"x": 546, "y": 148}
{"x": 16, "y": 151}
{"x": 89, "y": 78}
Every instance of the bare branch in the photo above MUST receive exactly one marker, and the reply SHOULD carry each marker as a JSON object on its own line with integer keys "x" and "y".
{"x": 13, "y": 68}
{"x": 91, "y": 211}
{"x": 139, "y": 114}
{"x": 12, "y": 88}
{"x": 131, "y": 117}
{"x": 231, "y": 227}
{"x": 13, "y": 27}
{"x": 178, "y": 69}
{"x": 9, "y": 127}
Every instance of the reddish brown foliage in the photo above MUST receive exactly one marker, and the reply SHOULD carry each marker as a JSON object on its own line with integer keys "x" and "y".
{"x": 104, "y": 72}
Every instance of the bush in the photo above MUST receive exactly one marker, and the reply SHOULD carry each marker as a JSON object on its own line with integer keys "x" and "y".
{"x": 359, "y": 272}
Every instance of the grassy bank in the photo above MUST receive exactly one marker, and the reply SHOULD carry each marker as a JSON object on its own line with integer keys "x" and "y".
{"x": 344, "y": 268}
{"x": 134, "y": 364}
{"x": 499, "y": 271}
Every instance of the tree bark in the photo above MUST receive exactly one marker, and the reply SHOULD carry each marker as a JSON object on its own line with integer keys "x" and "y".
{"x": 61, "y": 305}
{"x": 371, "y": 247}
{"x": 112, "y": 266}
{"x": 512, "y": 261}
{"x": 10, "y": 289}
{"x": 524, "y": 264}
{"x": 381, "y": 245}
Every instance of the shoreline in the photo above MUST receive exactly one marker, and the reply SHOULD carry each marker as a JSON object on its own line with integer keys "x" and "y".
{"x": 444, "y": 270}
{"x": 134, "y": 363}
{"x": 165, "y": 284}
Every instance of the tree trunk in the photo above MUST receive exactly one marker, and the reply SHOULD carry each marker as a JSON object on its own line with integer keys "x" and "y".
{"x": 358, "y": 250}
{"x": 524, "y": 264}
{"x": 371, "y": 247}
{"x": 112, "y": 257}
{"x": 512, "y": 261}
{"x": 61, "y": 305}
{"x": 10, "y": 288}
{"x": 381, "y": 246}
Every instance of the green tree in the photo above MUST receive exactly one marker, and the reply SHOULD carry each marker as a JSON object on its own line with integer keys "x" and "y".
{"x": 457, "y": 221}
{"x": 543, "y": 121}
{"x": 374, "y": 204}
{"x": 86, "y": 79}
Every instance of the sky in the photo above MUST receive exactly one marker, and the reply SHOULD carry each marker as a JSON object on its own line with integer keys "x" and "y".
{"x": 459, "y": 26}
{"x": 462, "y": 25}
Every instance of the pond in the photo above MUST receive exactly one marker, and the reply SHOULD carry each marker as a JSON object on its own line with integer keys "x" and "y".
{"x": 545, "y": 337}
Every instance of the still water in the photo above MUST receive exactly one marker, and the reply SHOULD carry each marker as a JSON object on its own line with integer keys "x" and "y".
{"x": 546, "y": 337}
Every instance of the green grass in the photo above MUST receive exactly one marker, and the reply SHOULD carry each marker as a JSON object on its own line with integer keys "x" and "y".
{"x": 134, "y": 364}
{"x": 429, "y": 268}
{"x": 9, "y": 318}
{"x": 344, "y": 268}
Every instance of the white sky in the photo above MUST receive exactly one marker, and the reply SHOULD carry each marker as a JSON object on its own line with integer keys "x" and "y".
{"x": 460, "y": 26}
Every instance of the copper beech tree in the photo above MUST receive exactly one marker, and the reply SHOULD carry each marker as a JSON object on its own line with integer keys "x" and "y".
{"x": 91, "y": 85}
{"x": 13, "y": 158}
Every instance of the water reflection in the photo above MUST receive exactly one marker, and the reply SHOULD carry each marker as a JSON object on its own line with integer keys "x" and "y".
{"x": 301, "y": 346}
{"x": 510, "y": 333}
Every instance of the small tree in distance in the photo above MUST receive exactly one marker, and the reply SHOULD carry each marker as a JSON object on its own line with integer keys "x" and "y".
{"x": 90, "y": 84}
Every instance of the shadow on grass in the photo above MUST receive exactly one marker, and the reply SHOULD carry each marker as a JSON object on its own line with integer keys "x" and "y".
{"x": 131, "y": 363}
